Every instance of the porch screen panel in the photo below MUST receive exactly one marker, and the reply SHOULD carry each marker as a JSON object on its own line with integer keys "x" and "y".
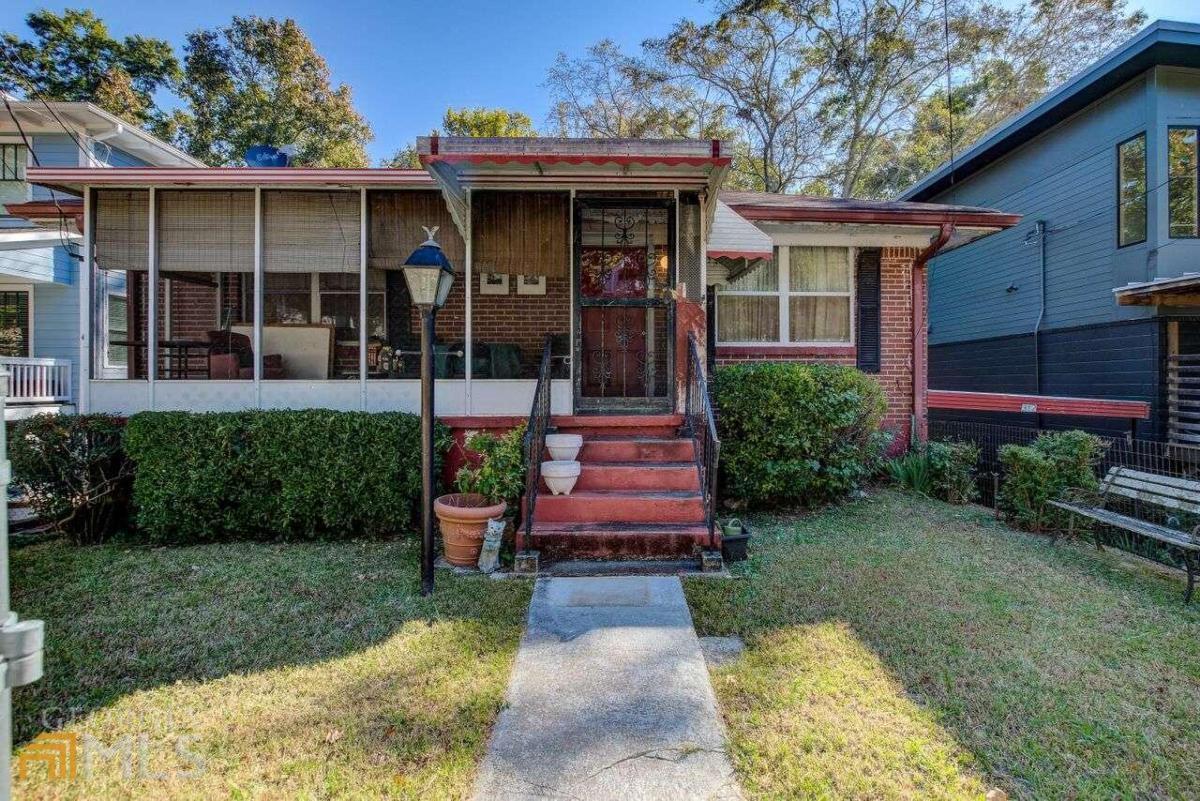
{"x": 521, "y": 233}
{"x": 310, "y": 231}
{"x": 689, "y": 245}
{"x": 205, "y": 231}
{"x": 122, "y": 229}
{"x": 395, "y": 227}
{"x": 120, "y": 270}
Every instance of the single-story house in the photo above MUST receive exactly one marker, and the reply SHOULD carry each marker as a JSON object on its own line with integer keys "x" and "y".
{"x": 280, "y": 288}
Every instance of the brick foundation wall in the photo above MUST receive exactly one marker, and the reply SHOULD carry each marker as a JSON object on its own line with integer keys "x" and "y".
{"x": 896, "y": 365}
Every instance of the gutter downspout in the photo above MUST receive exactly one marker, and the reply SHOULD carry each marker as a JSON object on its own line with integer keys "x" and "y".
{"x": 1037, "y": 327}
{"x": 920, "y": 333}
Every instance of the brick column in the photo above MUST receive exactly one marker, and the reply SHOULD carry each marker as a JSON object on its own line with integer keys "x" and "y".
{"x": 690, "y": 317}
{"x": 897, "y": 361}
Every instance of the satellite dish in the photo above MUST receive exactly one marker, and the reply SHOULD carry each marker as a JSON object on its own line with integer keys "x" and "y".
{"x": 266, "y": 156}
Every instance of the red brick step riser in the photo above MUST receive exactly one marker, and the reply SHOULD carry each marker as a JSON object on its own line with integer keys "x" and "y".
{"x": 650, "y": 477}
{"x": 608, "y": 544}
{"x": 602, "y": 507}
{"x": 637, "y": 450}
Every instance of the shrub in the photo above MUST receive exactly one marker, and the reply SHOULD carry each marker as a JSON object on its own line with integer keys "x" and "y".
{"x": 796, "y": 433}
{"x": 1036, "y": 474}
{"x": 912, "y": 470}
{"x": 497, "y": 466}
{"x": 74, "y": 469}
{"x": 275, "y": 474}
{"x": 943, "y": 470}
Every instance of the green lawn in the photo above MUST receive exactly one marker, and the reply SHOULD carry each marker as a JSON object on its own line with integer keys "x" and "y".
{"x": 900, "y": 648}
{"x": 292, "y": 671}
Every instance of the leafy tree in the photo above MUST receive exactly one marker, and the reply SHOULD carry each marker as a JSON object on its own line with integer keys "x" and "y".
{"x": 846, "y": 97}
{"x": 1008, "y": 57}
{"x": 486, "y": 122}
{"x": 73, "y": 57}
{"x": 468, "y": 122}
{"x": 760, "y": 62}
{"x": 607, "y": 93}
{"x": 406, "y": 158}
{"x": 261, "y": 81}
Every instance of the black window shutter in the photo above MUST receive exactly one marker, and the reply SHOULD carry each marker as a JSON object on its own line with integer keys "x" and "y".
{"x": 868, "y": 314}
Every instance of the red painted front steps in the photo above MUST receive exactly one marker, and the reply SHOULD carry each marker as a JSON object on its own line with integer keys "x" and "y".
{"x": 638, "y": 494}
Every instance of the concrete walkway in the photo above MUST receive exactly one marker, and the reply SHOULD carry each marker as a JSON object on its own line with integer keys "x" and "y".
{"x": 609, "y": 698}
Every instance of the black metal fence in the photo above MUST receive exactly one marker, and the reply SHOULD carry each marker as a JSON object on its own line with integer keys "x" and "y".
{"x": 1160, "y": 458}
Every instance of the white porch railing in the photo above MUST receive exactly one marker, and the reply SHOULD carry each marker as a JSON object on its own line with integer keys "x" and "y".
{"x": 37, "y": 380}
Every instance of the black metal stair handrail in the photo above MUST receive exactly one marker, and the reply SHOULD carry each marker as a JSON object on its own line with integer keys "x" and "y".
{"x": 535, "y": 442}
{"x": 701, "y": 425}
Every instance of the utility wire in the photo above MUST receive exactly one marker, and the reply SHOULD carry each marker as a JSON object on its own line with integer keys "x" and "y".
{"x": 62, "y": 215}
{"x": 949, "y": 84}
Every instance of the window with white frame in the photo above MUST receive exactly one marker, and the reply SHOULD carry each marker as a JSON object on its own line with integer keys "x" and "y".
{"x": 14, "y": 321}
{"x": 803, "y": 297}
{"x": 13, "y": 188}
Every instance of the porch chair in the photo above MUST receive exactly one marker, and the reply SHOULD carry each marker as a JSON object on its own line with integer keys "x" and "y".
{"x": 231, "y": 356}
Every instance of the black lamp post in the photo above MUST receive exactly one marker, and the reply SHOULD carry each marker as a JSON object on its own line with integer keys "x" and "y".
{"x": 429, "y": 276}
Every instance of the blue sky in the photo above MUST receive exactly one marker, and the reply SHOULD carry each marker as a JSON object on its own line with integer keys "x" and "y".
{"x": 408, "y": 61}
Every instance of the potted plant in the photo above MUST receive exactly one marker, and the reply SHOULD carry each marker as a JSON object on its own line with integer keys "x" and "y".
{"x": 492, "y": 481}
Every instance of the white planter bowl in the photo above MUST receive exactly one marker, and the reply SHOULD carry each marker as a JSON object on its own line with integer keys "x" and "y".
{"x": 564, "y": 447}
{"x": 560, "y": 476}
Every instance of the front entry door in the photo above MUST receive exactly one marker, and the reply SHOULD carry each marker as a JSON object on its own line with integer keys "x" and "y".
{"x": 624, "y": 253}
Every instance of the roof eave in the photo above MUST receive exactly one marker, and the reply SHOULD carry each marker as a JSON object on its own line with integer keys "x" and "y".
{"x": 75, "y": 179}
{"x": 998, "y": 220}
{"x": 1112, "y": 71}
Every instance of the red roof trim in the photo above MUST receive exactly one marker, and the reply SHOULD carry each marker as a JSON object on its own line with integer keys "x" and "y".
{"x": 47, "y": 210}
{"x": 768, "y": 351}
{"x": 1037, "y": 404}
{"x": 741, "y": 254}
{"x": 572, "y": 158}
{"x": 43, "y": 208}
{"x": 878, "y": 216}
{"x": 100, "y": 176}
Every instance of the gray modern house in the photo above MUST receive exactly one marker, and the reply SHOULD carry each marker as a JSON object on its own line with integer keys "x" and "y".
{"x": 1097, "y": 293}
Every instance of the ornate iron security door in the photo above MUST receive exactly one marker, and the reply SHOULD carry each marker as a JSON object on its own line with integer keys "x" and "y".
{"x": 624, "y": 265}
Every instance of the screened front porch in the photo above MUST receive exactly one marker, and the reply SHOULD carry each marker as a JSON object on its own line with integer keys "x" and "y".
{"x": 215, "y": 299}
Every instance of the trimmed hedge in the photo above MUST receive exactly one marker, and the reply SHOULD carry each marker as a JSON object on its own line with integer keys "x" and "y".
{"x": 275, "y": 474}
{"x": 1042, "y": 472}
{"x": 795, "y": 433}
{"x": 75, "y": 473}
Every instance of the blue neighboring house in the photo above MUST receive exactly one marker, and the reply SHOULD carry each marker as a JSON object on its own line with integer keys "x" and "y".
{"x": 39, "y": 235}
{"x": 1097, "y": 292}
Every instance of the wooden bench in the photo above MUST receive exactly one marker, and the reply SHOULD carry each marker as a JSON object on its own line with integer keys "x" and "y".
{"x": 1175, "y": 496}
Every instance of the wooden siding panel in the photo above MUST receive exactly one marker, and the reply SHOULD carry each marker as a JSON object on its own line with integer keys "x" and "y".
{"x": 1117, "y": 361}
{"x": 56, "y": 321}
{"x": 53, "y": 150}
{"x": 396, "y": 222}
{"x": 1065, "y": 177}
{"x": 521, "y": 233}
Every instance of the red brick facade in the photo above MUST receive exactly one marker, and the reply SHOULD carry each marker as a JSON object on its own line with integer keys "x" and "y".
{"x": 522, "y": 320}
{"x": 896, "y": 371}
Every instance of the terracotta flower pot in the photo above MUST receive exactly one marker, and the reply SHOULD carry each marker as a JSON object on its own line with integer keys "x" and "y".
{"x": 463, "y": 517}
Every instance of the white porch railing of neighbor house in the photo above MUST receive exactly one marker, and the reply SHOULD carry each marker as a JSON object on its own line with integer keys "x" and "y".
{"x": 37, "y": 380}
